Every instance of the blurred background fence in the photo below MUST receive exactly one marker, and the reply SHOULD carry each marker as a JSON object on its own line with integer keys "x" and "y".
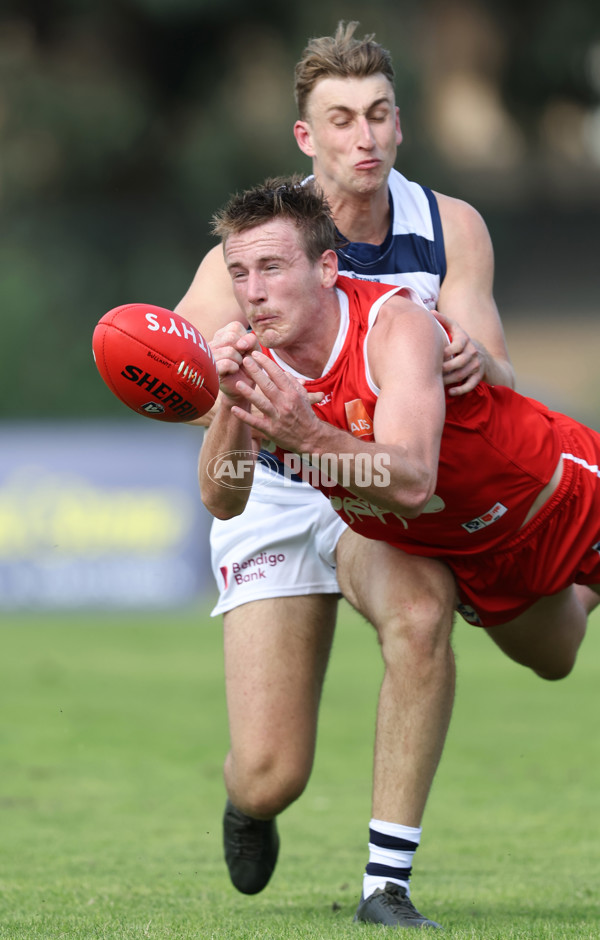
{"x": 125, "y": 123}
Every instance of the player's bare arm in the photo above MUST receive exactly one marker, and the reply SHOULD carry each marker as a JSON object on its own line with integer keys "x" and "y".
{"x": 407, "y": 355}
{"x": 466, "y": 302}
{"x": 227, "y": 434}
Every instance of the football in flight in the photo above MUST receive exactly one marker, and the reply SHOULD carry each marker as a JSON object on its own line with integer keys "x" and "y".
{"x": 155, "y": 362}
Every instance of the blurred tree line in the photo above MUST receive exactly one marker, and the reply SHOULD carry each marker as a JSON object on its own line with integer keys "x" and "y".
{"x": 125, "y": 123}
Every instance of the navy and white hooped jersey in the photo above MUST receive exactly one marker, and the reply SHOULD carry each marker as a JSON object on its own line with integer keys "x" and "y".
{"x": 412, "y": 253}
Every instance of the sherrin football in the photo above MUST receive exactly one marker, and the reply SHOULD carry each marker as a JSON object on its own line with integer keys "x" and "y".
{"x": 155, "y": 362}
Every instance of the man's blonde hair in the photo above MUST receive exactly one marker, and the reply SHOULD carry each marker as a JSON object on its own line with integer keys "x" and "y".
{"x": 339, "y": 56}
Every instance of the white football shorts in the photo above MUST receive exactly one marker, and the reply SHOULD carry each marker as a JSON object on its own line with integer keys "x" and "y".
{"x": 282, "y": 545}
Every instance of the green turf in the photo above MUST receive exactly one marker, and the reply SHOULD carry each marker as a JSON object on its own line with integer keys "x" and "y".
{"x": 112, "y": 736}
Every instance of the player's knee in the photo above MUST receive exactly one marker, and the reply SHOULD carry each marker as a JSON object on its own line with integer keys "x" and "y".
{"x": 554, "y": 671}
{"x": 264, "y": 788}
{"x": 421, "y": 626}
{"x": 556, "y": 658}
{"x": 267, "y": 796}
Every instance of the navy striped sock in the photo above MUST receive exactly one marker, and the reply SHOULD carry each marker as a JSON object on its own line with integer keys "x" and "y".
{"x": 391, "y": 852}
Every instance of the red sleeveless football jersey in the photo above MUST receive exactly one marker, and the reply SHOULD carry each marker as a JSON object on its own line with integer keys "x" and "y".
{"x": 498, "y": 450}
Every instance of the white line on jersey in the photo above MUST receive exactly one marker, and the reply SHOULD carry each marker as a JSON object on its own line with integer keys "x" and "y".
{"x": 593, "y": 468}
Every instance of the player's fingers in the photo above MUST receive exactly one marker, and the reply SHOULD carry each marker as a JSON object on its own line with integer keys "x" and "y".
{"x": 464, "y": 380}
{"x": 227, "y": 366}
{"x": 280, "y": 379}
{"x": 464, "y": 387}
{"x": 256, "y": 398}
{"x": 227, "y": 350}
{"x": 457, "y": 336}
{"x": 233, "y": 328}
{"x": 452, "y": 351}
{"x": 269, "y": 382}
{"x": 464, "y": 362}
{"x": 247, "y": 343}
{"x": 227, "y": 342}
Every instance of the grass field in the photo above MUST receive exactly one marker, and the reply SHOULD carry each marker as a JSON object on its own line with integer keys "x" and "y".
{"x": 112, "y": 735}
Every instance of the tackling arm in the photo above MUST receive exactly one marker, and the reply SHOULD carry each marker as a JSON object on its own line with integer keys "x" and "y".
{"x": 466, "y": 302}
{"x": 209, "y": 302}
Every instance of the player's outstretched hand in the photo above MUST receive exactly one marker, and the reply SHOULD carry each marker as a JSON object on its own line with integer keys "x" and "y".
{"x": 229, "y": 346}
{"x": 281, "y": 406}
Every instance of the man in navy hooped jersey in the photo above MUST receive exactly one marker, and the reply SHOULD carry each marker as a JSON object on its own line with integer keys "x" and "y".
{"x": 278, "y": 628}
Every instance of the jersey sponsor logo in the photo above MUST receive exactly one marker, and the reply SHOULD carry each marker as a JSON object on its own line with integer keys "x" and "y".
{"x": 492, "y": 515}
{"x": 357, "y": 418}
{"x": 324, "y": 401}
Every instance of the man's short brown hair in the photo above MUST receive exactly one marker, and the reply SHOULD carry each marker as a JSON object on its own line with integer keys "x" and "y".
{"x": 287, "y": 198}
{"x": 339, "y": 56}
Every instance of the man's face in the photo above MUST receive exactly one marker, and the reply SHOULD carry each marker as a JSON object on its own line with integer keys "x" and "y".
{"x": 352, "y": 132}
{"x": 276, "y": 285}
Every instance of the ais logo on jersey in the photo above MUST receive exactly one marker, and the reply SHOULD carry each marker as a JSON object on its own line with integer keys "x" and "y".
{"x": 358, "y": 420}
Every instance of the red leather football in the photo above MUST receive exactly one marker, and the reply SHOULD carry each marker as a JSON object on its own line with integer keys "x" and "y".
{"x": 156, "y": 362}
